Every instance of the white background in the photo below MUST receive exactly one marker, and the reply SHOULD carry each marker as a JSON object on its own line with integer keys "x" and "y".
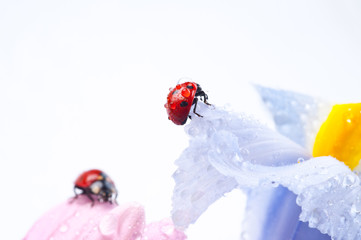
{"x": 83, "y": 84}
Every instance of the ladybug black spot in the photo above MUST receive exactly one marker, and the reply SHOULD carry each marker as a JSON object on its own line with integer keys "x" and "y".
{"x": 183, "y": 104}
{"x": 190, "y": 87}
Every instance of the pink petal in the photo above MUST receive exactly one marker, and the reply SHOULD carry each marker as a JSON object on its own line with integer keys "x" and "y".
{"x": 124, "y": 222}
{"x": 79, "y": 220}
{"x": 163, "y": 230}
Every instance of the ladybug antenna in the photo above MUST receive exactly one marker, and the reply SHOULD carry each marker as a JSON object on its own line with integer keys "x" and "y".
{"x": 184, "y": 79}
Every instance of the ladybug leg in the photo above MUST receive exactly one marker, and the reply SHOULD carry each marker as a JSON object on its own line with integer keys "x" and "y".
{"x": 90, "y": 197}
{"x": 195, "y": 101}
{"x": 115, "y": 198}
{"x": 204, "y": 96}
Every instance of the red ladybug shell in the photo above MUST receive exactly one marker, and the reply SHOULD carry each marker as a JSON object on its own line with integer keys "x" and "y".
{"x": 179, "y": 102}
{"x": 87, "y": 178}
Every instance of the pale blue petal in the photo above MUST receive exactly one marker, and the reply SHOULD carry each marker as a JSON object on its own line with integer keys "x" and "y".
{"x": 296, "y": 115}
{"x": 228, "y": 151}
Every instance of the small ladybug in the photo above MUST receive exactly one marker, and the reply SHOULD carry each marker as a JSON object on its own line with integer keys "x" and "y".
{"x": 96, "y": 182}
{"x": 180, "y": 100}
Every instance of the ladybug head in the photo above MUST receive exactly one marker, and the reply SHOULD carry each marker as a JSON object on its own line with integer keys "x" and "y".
{"x": 104, "y": 188}
{"x": 107, "y": 193}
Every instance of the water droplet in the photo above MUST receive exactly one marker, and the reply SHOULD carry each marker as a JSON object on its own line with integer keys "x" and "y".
{"x": 167, "y": 230}
{"x": 274, "y": 184}
{"x": 184, "y": 193}
{"x": 313, "y": 222}
{"x": 300, "y": 199}
{"x": 348, "y": 116}
{"x": 186, "y": 93}
{"x": 348, "y": 181}
{"x": 244, "y": 236}
{"x": 219, "y": 150}
{"x": 276, "y": 156}
{"x": 172, "y": 105}
{"x": 244, "y": 152}
{"x": 300, "y": 160}
{"x": 324, "y": 171}
{"x": 196, "y": 196}
{"x": 307, "y": 106}
{"x": 343, "y": 220}
{"x": 355, "y": 209}
{"x": 63, "y": 228}
{"x": 193, "y": 131}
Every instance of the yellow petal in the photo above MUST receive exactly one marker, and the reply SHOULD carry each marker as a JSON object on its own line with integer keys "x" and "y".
{"x": 340, "y": 135}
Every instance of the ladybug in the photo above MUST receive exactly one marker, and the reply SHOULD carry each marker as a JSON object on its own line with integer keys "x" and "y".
{"x": 180, "y": 100}
{"x": 96, "y": 182}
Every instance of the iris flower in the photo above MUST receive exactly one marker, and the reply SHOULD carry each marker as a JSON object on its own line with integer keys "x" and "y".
{"x": 295, "y": 176}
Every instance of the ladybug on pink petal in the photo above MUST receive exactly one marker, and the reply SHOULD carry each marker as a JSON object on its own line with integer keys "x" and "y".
{"x": 180, "y": 100}
{"x": 96, "y": 182}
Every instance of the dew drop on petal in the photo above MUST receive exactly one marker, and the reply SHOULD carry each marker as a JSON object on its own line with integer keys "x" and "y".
{"x": 244, "y": 236}
{"x": 63, "y": 228}
{"x": 167, "y": 230}
{"x": 244, "y": 152}
{"x": 197, "y": 195}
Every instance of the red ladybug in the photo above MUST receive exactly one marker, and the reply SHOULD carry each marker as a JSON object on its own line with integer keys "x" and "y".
{"x": 180, "y": 100}
{"x": 96, "y": 182}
